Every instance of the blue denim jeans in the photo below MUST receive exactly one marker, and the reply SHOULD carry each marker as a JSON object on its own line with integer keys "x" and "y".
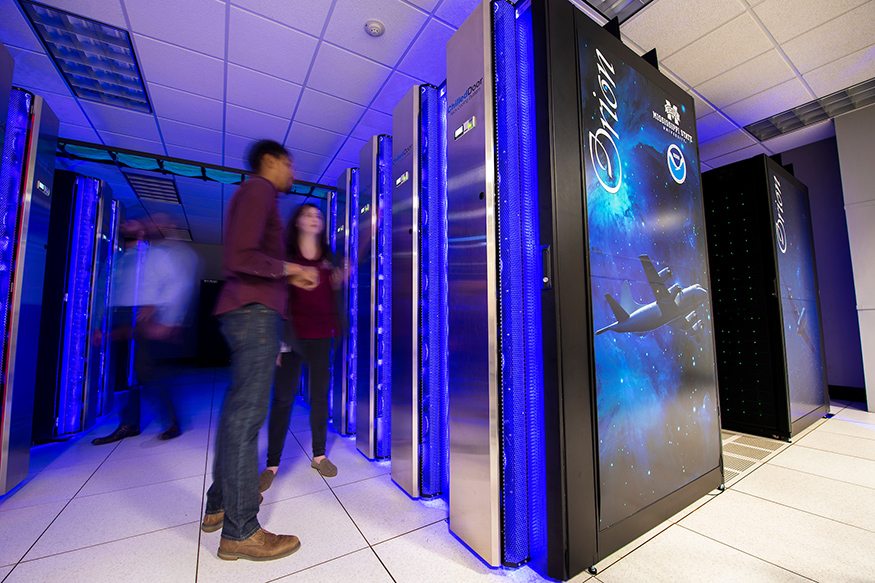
{"x": 253, "y": 335}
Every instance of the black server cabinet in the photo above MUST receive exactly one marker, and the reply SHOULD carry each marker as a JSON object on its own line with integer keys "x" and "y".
{"x": 766, "y": 302}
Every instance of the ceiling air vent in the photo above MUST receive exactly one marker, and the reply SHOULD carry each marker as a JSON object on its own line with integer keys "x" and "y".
{"x": 175, "y": 234}
{"x": 154, "y": 189}
{"x": 813, "y": 112}
{"x": 96, "y": 60}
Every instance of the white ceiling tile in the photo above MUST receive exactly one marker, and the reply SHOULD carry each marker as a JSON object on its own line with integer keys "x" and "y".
{"x": 192, "y": 72}
{"x": 709, "y": 57}
{"x": 263, "y": 45}
{"x": 254, "y": 90}
{"x": 702, "y": 107}
{"x": 193, "y": 155}
{"x": 237, "y": 147}
{"x": 199, "y": 189}
{"x": 193, "y": 212}
{"x": 116, "y": 119}
{"x": 837, "y": 38}
{"x": 132, "y": 143}
{"x": 786, "y": 19}
{"x": 310, "y": 139}
{"x": 843, "y": 73}
{"x": 38, "y": 71}
{"x": 308, "y": 177}
{"x": 427, "y": 57}
{"x": 785, "y": 96}
{"x": 670, "y": 25}
{"x": 350, "y": 151}
{"x": 456, "y": 12}
{"x": 730, "y": 142}
{"x": 362, "y": 78}
{"x": 808, "y": 135}
{"x": 393, "y": 91}
{"x": 307, "y": 16}
{"x": 16, "y": 31}
{"x": 81, "y": 133}
{"x": 307, "y": 162}
{"x": 754, "y": 76}
{"x": 186, "y": 107}
{"x": 254, "y": 124}
{"x": 172, "y": 21}
{"x": 373, "y": 123}
{"x": 347, "y": 28}
{"x": 106, "y": 11}
{"x": 735, "y": 156}
{"x": 333, "y": 172}
{"x": 324, "y": 111}
{"x": 427, "y": 5}
{"x": 712, "y": 126}
{"x": 66, "y": 108}
{"x": 704, "y": 166}
{"x": 190, "y": 136}
{"x": 237, "y": 162}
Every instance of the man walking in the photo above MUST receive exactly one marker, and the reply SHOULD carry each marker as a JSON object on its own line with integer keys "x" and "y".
{"x": 251, "y": 307}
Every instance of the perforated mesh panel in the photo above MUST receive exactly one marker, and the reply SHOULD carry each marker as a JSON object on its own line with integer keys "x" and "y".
{"x": 383, "y": 381}
{"x": 14, "y": 152}
{"x": 352, "y": 323}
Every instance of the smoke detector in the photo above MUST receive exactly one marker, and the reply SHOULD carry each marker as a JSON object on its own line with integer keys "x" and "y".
{"x": 375, "y": 28}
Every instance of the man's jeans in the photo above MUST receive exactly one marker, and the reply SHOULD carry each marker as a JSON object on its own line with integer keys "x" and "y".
{"x": 253, "y": 335}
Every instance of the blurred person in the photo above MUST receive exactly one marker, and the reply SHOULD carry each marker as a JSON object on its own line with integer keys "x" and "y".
{"x": 161, "y": 296}
{"x": 251, "y": 308}
{"x": 316, "y": 321}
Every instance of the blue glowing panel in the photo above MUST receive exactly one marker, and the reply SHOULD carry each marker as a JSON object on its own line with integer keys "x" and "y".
{"x": 799, "y": 307}
{"x": 14, "y": 149}
{"x": 653, "y": 346}
{"x": 352, "y": 322}
{"x": 106, "y": 382}
{"x": 74, "y": 344}
{"x": 383, "y": 378}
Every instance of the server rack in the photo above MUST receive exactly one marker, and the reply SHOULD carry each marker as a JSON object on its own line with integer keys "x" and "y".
{"x": 25, "y": 204}
{"x": 574, "y": 426}
{"x": 419, "y": 301}
{"x": 74, "y": 377}
{"x": 374, "y": 299}
{"x": 766, "y": 300}
{"x": 343, "y": 393}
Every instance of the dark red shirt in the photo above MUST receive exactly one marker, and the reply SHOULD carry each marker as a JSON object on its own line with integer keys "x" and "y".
{"x": 313, "y": 311}
{"x": 253, "y": 255}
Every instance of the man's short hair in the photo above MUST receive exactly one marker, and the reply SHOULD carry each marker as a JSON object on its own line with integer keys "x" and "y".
{"x": 265, "y": 147}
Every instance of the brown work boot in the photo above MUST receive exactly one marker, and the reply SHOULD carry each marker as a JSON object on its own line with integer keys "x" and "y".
{"x": 261, "y": 546}
{"x": 213, "y": 522}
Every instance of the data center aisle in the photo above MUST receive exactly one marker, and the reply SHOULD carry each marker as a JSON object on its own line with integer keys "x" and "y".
{"x": 130, "y": 511}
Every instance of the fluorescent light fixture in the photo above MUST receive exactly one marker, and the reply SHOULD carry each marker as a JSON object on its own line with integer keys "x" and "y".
{"x": 96, "y": 60}
{"x": 621, "y": 9}
{"x": 824, "y": 108}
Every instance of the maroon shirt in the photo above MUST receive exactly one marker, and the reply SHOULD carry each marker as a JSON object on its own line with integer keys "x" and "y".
{"x": 313, "y": 311}
{"x": 253, "y": 254}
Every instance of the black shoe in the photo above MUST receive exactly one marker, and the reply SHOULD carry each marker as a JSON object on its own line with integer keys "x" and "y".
{"x": 174, "y": 431}
{"x": 117, "y": 435}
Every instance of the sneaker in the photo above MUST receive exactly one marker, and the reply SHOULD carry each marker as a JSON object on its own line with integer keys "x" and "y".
{"x": 213, "y": 522}
{"x": 324, "y": 467}
{"x": 261, "y": 546}
{"x": 265, "y": 479}
{"x": 174, "y": 431}
{"x": 120, "y": 433}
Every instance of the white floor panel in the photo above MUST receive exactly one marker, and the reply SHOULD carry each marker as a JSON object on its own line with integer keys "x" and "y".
{"x": 358, "y": 566}
{"x": 837, "y": 466}
{"x": 47, "y": 486}
{"x": 20, "y": 528}
{"x": 92, "y": 520}
{"x": 821, "y": 549}
{"x": 118, "y": 474}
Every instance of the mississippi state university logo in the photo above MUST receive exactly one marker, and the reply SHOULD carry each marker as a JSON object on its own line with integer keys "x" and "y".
{"x": 677, "y": 166}
{"x": 672, "y": 113}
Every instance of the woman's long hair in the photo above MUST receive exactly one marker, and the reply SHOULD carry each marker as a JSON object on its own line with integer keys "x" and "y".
{"x": 291, "y": 236}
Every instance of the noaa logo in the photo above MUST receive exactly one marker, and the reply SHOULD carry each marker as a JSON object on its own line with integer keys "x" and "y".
{"x": 677, "y": 166}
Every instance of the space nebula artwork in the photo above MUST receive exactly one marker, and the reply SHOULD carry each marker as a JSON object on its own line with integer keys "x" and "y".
{"x": 656, "y": 382}
{"x": 799, "y": 309}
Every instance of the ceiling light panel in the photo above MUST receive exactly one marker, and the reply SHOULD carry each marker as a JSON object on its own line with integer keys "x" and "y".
{"x": 622, "y": 9}
{"x": 96, "y": 60}
{"x": 813, "y": 112}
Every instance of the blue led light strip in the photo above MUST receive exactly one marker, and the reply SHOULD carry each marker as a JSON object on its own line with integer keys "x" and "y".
{"x": 383, "y": 388}
{"x": 519, "y": 306}
{"x": 14, "y": 152}
{"x": 74, "y": 347}
{"x": 433, "y": 300}
{"x": 352, "y": 332}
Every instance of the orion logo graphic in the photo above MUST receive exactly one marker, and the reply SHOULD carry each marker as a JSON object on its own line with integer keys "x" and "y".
{"x": 672, "y": 113}
{"x": 469, "y": 92}
{"x": 402, "y": 154}
{"x": 677, "y": 165}
{"x": 603, "y": 152}
{"x": 780, "y": 229}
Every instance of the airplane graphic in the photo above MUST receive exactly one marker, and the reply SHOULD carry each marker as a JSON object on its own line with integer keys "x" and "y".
{"x": 673, "y": 306}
